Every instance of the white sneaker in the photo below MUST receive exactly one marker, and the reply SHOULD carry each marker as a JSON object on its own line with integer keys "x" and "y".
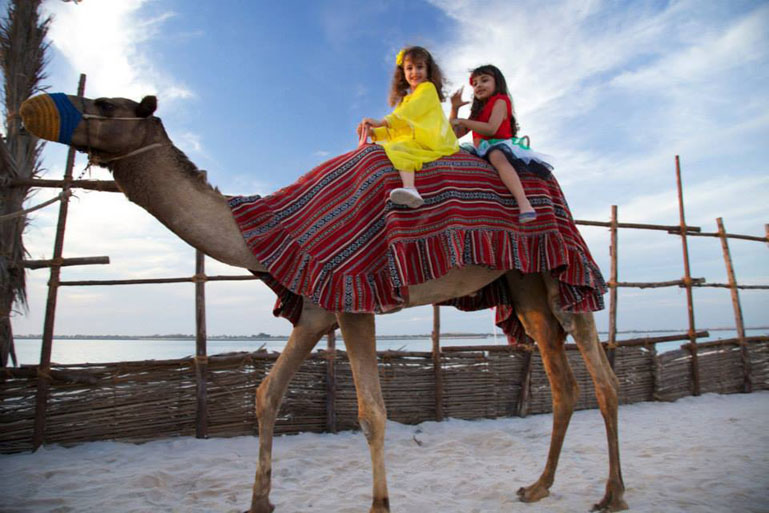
{"x": 407, "y": 196}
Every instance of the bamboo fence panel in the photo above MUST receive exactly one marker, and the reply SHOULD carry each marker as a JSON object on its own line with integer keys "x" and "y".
{"x": 508, "y": 370}
{"x": 634, "y": 366}
{"x": 541, "y": 398}
{"x": 469, "y": 391}
{"x": 305, "y": 400}
{"x": 673, "y": 375}
{"x": 408, "y": 387}
{"x": 759, "y": 364}
{"x": 232, "y": 381}
{"x": 17, "y": 413}
{"x": 722, "y": 370}
{"x": 135, "y": 401}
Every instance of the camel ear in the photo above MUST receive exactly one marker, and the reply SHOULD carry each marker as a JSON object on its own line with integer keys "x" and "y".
{"x": 147, "y": 106}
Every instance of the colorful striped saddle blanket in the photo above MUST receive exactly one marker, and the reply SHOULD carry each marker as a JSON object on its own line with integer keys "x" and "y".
{"x": 335, "y": 238}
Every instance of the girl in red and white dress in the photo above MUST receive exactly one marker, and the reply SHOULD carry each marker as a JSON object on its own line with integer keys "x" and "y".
{"x": 492, "y": 122}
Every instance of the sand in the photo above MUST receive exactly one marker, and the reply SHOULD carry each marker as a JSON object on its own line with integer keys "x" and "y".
{"x": 699, "y": 454}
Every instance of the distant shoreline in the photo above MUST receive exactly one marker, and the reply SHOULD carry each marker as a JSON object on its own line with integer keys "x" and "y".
{"x": 268, "y": 337}
{"x": 236, "y": 337}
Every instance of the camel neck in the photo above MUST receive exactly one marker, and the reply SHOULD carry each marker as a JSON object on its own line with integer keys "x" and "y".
{"x": 171, "y": 189}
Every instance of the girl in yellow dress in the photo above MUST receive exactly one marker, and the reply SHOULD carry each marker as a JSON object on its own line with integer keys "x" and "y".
{"x": 417, "y": 131}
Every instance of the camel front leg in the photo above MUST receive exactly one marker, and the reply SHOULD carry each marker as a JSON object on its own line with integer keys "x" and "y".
{"x": 360, "y": 340}
{"x": 607, "y": 393}
{"x": 530, "y": 300}
{"x": 313, "y": 324}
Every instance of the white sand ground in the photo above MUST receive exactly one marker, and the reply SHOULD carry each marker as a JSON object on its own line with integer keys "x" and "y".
{"x": 704, "y": 454}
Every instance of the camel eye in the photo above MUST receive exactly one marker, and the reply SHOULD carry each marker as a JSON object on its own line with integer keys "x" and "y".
{"x": 105, "y": 106}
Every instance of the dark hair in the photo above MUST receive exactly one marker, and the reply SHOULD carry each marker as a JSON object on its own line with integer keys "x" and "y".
{"x": 400, "y": 88}
{"x": 500, "y": 88}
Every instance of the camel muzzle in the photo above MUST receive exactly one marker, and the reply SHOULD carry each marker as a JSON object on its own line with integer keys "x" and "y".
{"x": 51, "y": 117}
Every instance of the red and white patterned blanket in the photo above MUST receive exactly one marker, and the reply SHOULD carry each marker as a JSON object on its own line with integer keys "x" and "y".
{"x": 335, "y": 238}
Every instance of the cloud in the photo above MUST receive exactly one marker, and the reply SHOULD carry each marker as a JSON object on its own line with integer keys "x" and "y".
{"x": 712, "y": 54}
{"x": 614, "y": 92}
{"x": 109, "y": 41}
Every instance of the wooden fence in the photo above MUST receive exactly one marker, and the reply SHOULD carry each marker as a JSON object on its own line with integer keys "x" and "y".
{"x": 136, "y": 401}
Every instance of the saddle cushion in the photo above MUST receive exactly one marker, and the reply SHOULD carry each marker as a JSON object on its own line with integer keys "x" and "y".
{"x": 335, "y": 238}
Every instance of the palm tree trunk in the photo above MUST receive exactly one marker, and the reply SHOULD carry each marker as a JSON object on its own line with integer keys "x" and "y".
{"x": 22, "y": 58}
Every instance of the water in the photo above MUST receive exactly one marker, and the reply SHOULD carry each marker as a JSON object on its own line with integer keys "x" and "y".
{"x": 68, "y": 351}
{"x": 72, "y": 350}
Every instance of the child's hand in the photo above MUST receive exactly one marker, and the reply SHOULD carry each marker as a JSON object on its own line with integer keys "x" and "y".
{"x": 456, "y": 98}
{"x": 369, "y": 123}
{"x": 459, "y": 126}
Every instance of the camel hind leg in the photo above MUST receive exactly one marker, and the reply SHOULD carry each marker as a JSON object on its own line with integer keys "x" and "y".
{"x": 531, "y": 304}
{"x": 581, "y": 326}
{"x": 313, "y": 324}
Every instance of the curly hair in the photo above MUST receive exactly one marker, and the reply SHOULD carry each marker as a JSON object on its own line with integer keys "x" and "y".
{"x": 500, "y": 88}
{"x": 400, "y": 88}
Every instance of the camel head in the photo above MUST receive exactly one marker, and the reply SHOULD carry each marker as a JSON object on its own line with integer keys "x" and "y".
{"x": 104, "y": 127}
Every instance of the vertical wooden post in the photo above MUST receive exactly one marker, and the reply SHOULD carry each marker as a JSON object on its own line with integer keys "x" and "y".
{"x": 613, "y": 287}
{"x": 201, "y": 355}
{"x": 738, "y": 320}
{"x": 331, "y": 382}
{"x": 688, "y": 283}
{"x": 523, "y": 403}
{"x": 43, "y": 370}
{"x": 436, "y": 336}
{"x": 656, "y": 382}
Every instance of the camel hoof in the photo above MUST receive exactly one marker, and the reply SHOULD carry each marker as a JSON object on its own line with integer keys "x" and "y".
{"x": 261, "y": 506}
{"x": 380, "y": 506}
{"x": 533, "y": 493}
{"x": 610, "y": 503}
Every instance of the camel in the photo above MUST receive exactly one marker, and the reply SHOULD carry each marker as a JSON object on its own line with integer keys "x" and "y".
{"x": 127, "y": 138}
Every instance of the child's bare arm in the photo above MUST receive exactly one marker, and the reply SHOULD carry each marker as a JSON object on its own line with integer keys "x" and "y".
{"x": 490, "y": 127}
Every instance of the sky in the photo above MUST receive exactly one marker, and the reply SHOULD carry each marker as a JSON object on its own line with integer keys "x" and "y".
{"x": 259, "y": 93}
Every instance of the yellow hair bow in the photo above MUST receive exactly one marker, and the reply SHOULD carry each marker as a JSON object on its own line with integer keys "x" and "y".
{"x": 399, "y": 58}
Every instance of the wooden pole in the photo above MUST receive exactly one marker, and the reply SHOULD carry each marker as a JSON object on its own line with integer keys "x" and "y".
{"x": 201, "y": 354}
{"x": 738, "y": 320}
{"x": 43, "y": 381}
{"x": 656, "y": 370}
{"x": 154, "y": 281}
{"x": 331, "y": 381}
{"x": 93, "y": 185}
{"x": 613, "y": 288}
{"x": 659, "y": 284}
{"x": 436, "y": 336}
{"x": 727, "y": 286}
{"x": 523, "y": 404}
{"x": 64, "y": 262}
{"x": 641, "y": 226}
{"x": 688, "y": 284}
{"x": 731, "y": 236}
{"x": 732, "y": 341}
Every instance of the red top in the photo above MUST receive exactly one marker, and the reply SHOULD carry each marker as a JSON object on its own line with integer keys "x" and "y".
{"x": 504, "y": 131}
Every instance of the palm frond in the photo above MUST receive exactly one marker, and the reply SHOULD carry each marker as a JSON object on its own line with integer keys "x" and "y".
{"x": 22, "y": 59}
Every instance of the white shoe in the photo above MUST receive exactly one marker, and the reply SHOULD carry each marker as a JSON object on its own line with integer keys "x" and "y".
{"x": 407, "y": 196}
